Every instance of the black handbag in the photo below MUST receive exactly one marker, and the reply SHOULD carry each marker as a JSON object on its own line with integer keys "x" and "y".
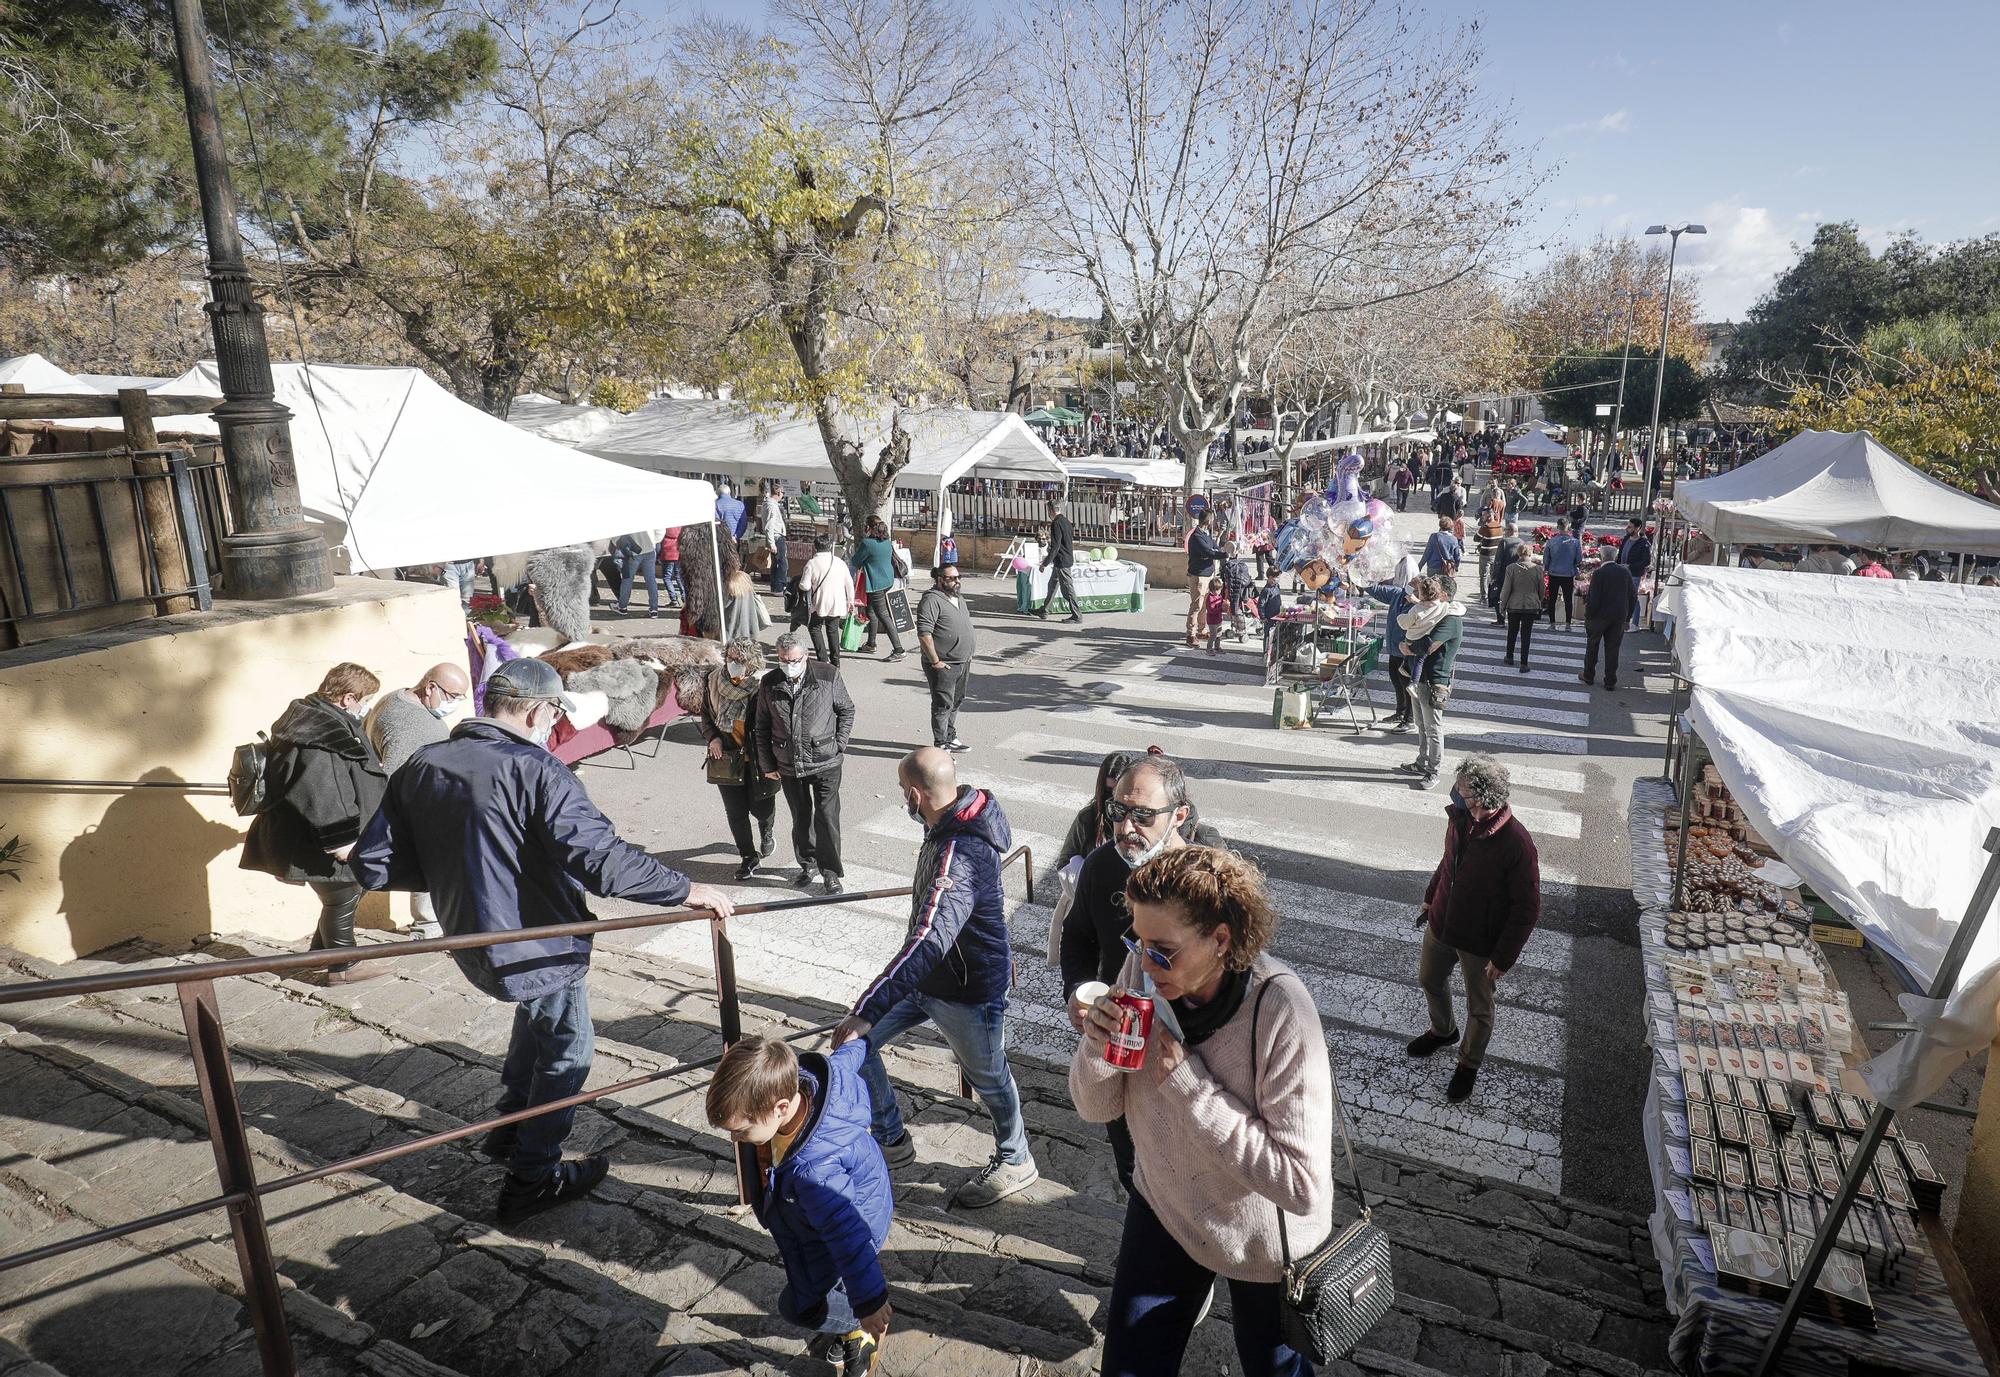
{"x": 1337, "y": 1292}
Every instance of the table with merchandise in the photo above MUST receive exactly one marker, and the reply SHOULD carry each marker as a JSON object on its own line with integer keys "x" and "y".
{"x": 1753, "y": 1114}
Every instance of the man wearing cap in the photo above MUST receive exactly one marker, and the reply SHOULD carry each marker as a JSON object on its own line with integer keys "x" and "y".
{"x": 504, "y": 838}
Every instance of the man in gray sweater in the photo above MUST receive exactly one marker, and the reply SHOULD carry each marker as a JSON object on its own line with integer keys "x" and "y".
{"x": 402, "y": 721}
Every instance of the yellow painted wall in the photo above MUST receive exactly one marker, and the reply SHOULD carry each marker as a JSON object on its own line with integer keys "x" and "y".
{"x": 1977, "y": 1234}
{"x": 167, "y": 700}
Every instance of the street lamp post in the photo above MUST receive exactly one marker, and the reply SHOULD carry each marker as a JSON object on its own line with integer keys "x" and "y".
{"x": 1660, "y": 378}
{"x": 270, "y": 552}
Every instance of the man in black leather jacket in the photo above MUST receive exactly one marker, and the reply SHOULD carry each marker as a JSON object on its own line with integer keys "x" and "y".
{"x": 802, "y": 721}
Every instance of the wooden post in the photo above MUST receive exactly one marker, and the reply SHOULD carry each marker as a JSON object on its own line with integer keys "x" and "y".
{"x": 162, "y": 516}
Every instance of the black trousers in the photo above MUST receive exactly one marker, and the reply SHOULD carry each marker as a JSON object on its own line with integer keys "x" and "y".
{"x": 1612, "y": 637}
{"x": 880, "y": 620}
{"x": 1521, "y": 624}
{"x": 741, "y": 803}
{"x": 1564, "y": 584}
{"x": 1062, "y": 581}
{"x": 338, "y": 900}
{"x": 947, "y": 692}
{"x": 1399, "y": 679}
{"x": 826, "y": 638}
{"x": 815, "y": 804}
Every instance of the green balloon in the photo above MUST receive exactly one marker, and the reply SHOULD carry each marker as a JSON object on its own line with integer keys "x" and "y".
{"x": 1111, "y": 553}
{"x": 1094, "y": 554}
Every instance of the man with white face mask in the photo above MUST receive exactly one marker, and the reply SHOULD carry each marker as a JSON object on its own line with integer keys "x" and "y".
{"x": 504, "y": 837}
{"x": 801, "y": 721}
{"x": 402, "y": 721}
{"x": 1148, "y": 813}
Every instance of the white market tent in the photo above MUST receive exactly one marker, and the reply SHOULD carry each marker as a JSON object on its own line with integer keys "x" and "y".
{"x": 37, "y": 374}
{"x": 398, "y": 471}
{"x": 703, "y": 438}
{"x": 1535, "y": 444}
{"x": 1857, "y": 723}
{"x": 1140, "y": 473}
{"x": 1839, "y": 488}
{"x": 562, "y": 422}
{"x": 114, "y": 382}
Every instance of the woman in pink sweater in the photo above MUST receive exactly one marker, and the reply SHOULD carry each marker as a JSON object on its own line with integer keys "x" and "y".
{"x": 1220, "y": 1151}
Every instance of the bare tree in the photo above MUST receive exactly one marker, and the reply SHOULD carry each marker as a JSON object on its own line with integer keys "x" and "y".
{"x": 1230, "y": 169}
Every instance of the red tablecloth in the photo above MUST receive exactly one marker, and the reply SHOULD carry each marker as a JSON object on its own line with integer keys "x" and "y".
{"x": 570, "y": 746}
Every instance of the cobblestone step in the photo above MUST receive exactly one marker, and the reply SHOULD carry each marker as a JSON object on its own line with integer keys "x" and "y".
{"x": 328, "y": 1072}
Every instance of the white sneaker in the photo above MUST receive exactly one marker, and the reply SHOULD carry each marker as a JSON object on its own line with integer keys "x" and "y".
{"x": 995, "y": 1182}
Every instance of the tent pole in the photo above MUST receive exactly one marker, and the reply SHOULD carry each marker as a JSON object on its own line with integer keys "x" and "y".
{"x": 1878, "y": 1123}
{"x": 1687, "y": 802}
{"x": 715, "y": 560}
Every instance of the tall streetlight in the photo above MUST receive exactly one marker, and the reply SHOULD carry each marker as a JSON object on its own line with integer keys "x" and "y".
{"x": 1660, "y": 378}
{"x": 1625, "y": 360}
{"x": 270, "y": 552}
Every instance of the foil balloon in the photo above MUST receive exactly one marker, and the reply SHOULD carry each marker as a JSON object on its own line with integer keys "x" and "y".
{"x": 1314, "y": 517}
{"x": 1378, "y": 512}
{"x": 1347, "y": 479}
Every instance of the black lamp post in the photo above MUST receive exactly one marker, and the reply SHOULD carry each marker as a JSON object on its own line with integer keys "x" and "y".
{"x": 271, "y": 552}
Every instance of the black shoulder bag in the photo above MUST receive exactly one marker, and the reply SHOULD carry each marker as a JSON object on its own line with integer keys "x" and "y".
{"x": 1336, "y": 1293}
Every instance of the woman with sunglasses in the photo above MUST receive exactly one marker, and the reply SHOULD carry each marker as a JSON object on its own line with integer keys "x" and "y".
{"x": 1227, "y": 1133}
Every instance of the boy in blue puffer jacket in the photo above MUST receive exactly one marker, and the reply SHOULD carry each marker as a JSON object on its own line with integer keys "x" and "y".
{"x": 827, "y": 1197}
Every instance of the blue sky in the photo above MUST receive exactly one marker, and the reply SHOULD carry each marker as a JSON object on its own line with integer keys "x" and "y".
{"x": 1758, "y": 118}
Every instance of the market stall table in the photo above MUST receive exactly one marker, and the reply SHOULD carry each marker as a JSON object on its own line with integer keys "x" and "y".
{"x": 1101, "y": 586}
{"x": 1916, "y": 1328}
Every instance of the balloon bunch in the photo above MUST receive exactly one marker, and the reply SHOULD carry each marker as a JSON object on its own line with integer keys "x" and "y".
{"x": 1355, "y": 538}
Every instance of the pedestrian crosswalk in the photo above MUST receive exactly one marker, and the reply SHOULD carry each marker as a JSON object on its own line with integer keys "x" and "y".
{"x": 1346, "y": 843}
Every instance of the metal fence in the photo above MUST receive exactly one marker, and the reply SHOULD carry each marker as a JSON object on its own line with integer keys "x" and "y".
{"x": 146, "y": 529}
{"x": 242, "y": 1194}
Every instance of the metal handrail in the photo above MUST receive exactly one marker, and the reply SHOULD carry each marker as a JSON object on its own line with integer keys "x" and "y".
{"x": 242, "y": 1194}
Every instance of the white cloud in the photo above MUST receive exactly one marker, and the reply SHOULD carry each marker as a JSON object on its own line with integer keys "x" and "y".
{"x": 1738, "y": 259}
{"x": 1617, "y": 122}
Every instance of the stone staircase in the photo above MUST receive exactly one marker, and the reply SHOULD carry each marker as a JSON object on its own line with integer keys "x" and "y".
{"x": 401, "y": 1272}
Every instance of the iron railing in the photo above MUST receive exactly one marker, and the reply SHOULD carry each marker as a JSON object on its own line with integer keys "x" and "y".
{"x": 121, "y": 555}
{"x": 242, "y": 1194}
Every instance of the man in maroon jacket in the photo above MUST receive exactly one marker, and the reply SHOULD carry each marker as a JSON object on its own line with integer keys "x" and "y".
{"x": 1479, "y": 909}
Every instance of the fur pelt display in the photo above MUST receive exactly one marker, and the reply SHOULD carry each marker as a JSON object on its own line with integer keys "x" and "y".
{"x": 684, "y": 660}
{"x": 561, "y": 579}
{"x": 633, "y": 687}
{"x": 577, "y": 659}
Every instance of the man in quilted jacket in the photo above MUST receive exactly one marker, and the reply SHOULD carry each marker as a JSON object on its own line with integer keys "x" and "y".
{"x": 954, "y": 969}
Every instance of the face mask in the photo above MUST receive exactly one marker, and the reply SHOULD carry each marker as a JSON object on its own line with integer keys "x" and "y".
{"x": 737, "y": 674}
{"x": 1152, "y": 850}
{"x": 441, "y": 711}
{"x": 540, "y": 735}
{"x": 794, "y": 670}
{"x": 916, "y": 813}
{"x": 358, "y": 712}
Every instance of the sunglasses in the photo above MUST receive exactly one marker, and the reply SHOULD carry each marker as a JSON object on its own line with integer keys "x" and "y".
{"x": 1163, "y": 959}
{"x": 1116, "y": 812}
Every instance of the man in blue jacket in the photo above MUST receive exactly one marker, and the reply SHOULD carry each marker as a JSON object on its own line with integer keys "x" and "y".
{"x": 953, "y": 969}
{"x": 1563, "y": 558}
{"x": 827, "y": 1198}
{"x": 1636, "y": 554}
{"x": 504, "y": 838}
{"x": 1204, "y": 563}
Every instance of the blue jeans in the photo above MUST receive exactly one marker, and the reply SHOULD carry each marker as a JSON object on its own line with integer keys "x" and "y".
{"x": 828, "y": 1314}
{"x": 670, "y": 578}
{"x": 548, "y": 1059}
{"x": 459, "y": 574}
{"x": 1158, "y": 1290}
{"x": 977, "y": 1034}
{"x": 781, "y": 571}
{"x": 629, "y": 568}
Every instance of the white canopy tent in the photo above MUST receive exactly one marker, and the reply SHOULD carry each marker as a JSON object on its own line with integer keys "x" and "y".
{"x": 1535, "y": 444}
{"x": 702, "y": 438}
{"x": 398, "y": 471}
{"x": 1141, "y": 473}
{"x": 562, "y": 422}
{"x": 36, "y": 374}
{"x": 1857, "y": 723}
{"x": 1839, "y": 488}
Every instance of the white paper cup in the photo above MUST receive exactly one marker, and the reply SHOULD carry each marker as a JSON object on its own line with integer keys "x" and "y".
{"x": 1089, "y": 992}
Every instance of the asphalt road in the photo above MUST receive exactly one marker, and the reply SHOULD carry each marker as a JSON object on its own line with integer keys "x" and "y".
{"x": 1347, "y": 842}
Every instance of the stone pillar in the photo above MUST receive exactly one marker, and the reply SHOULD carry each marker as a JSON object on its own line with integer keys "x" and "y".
{"x": 270, "y": 551}
{"x": 1977, "y": 1235}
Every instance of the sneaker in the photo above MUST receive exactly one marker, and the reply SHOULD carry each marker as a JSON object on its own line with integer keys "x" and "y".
{"x": 899, "y": 655}
{"x": 499, "y": 1143}
{"x": 766, "y": 843}
{"x": 1524, "y": 666}
{"x": 860, "y": 1355}
{"x": 1409, "y": 768}
{"x": 1400, "y": 725}
{"x": 804, "y": 879}
{"x": 420, "y": 932}
{"x": 568, "y": 1181}
{"x": 829, "y": 883}
{"x": 1507, "y": 660}
{"x": 1072, "y": 617}
{"x": 995, "y": 1182}
{"x": 826, "y": 1351}
{"x": 955, "y": 746}
{"x": 902, "y": 1152}
{"x": 1426, "y": 1043}
{"x": 748, "y": 869}
{"x": 1428, "y": 781}
{"x": 1460, "y": 1085}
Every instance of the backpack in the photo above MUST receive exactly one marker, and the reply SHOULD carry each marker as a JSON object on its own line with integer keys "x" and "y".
{"x": 249, "y": 771}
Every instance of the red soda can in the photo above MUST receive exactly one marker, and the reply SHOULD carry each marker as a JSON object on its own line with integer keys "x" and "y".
{"x": 1126, "y": 1048}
